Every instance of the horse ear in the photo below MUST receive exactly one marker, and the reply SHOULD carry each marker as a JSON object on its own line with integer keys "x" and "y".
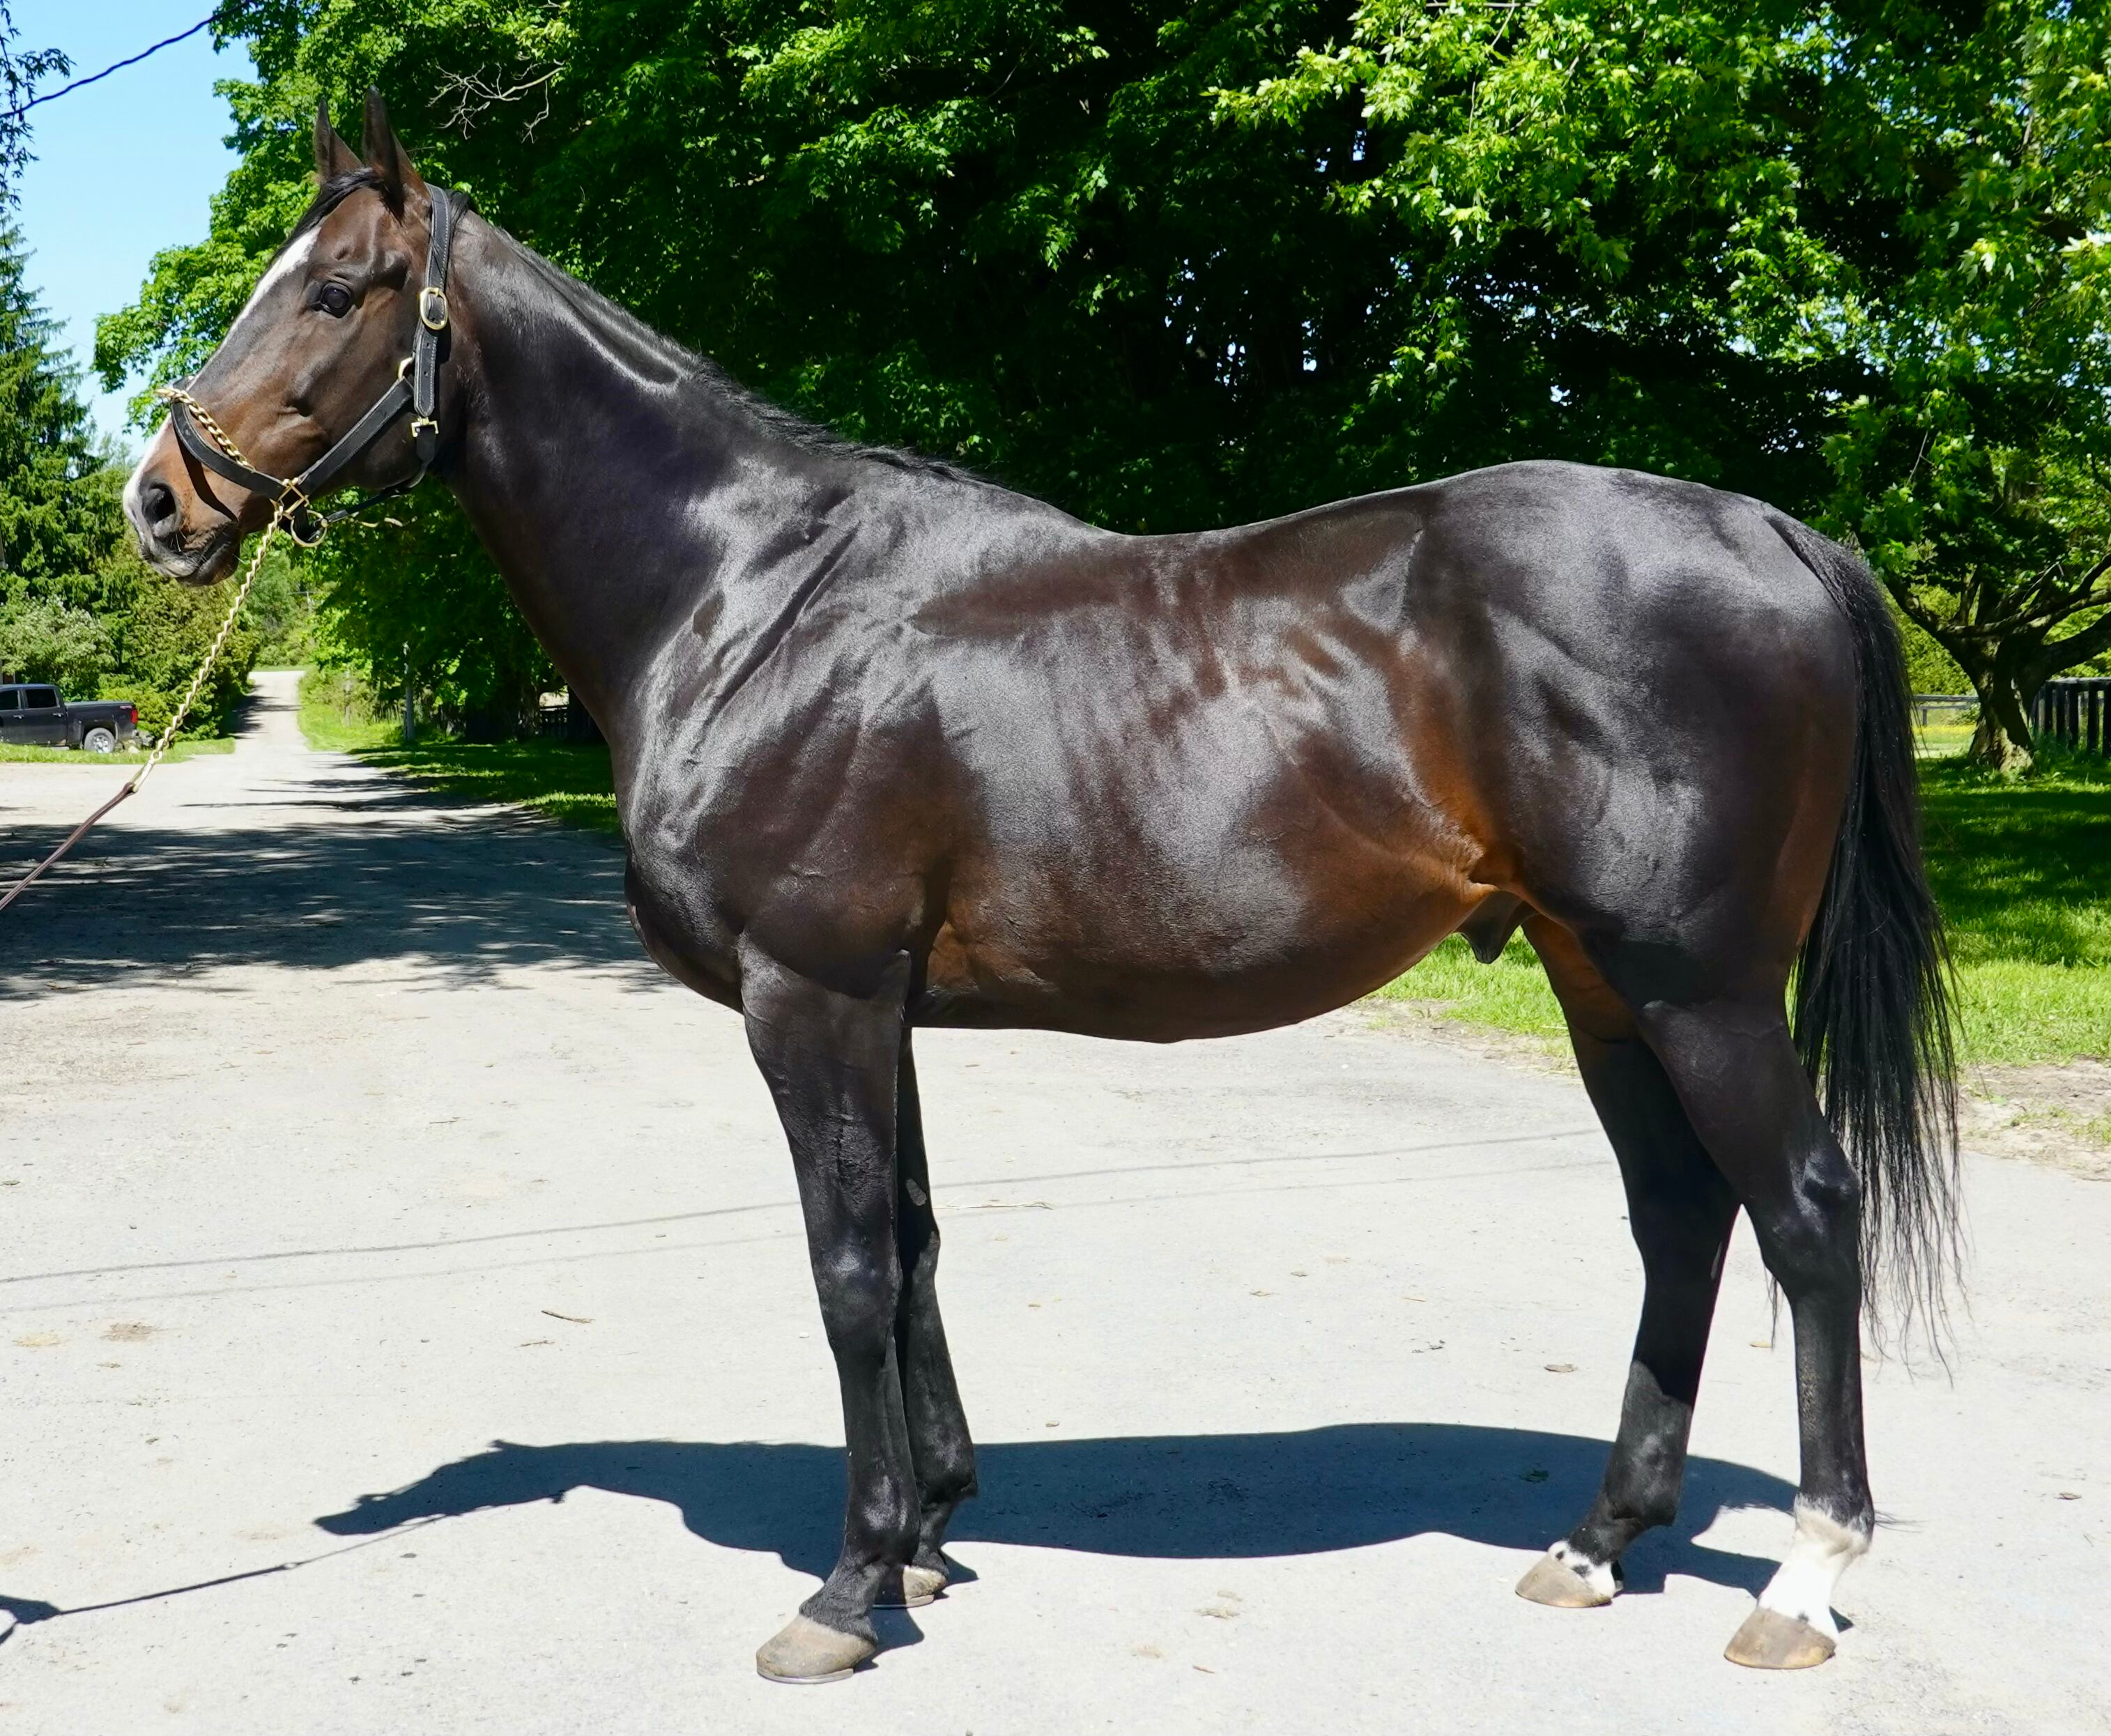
{"x": 385, "y": 155}
{"x": 334, "y": 157}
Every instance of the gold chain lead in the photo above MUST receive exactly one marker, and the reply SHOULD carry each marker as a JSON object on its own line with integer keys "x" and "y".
{"x": 177, "y": 395}
{"x": 212, "y": 655}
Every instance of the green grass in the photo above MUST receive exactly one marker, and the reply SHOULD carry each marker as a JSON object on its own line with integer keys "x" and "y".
{"x": 1945, "y": 734}
{"x": 2023, "y": 870}
{"x": 1510, "y": 995}
{"x": 74, "y": 756}
{"x": 570, "y": 784}
{"x": 336, "y": 714}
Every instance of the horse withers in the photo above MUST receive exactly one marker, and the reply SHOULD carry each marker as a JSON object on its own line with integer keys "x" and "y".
{"x": 894, "y": 747}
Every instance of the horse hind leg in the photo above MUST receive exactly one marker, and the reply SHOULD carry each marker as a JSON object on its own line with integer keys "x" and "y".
{"x": 1737, "y": 1074}
{"x": 1680, "y": 1210}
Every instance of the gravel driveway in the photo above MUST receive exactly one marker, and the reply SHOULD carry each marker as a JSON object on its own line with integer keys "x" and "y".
{"x": 407, "y": 1329}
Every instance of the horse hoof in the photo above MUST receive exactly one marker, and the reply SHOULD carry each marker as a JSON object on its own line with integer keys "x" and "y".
{"x": 807, "y": 1651}
{"x": 1558, "y": 1586}
{"x": 910, "y": 1590}
{"x": 1769, "y": 1640}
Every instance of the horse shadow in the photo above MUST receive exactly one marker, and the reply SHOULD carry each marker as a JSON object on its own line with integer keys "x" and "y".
{"x": 1178, "y": 1497}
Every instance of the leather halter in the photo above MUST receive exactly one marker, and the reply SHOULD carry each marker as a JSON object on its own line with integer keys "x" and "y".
{"x": 292, "y": 498}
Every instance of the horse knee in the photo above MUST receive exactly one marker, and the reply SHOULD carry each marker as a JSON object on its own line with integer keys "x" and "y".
{"x": 858, "y": 1294}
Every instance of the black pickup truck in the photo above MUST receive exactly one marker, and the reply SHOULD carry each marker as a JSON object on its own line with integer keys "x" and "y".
{"x": 32, "y": 716}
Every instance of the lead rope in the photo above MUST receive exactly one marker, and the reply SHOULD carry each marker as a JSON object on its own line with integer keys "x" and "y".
{"x": 189, "y": 699}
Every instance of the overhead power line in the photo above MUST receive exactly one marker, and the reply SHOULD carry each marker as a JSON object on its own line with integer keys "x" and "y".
{"x": 22, "y": 109}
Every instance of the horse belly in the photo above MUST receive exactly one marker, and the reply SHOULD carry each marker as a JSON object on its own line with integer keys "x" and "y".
{"x": 1262, "y": 932}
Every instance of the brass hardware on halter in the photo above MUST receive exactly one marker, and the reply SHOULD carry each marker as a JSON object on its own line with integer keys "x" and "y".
{"x": 419, "y": 423}
{"x": 403, "y": 367}
{"x": 432, "y": 292}
{"x": 219, "y": 435}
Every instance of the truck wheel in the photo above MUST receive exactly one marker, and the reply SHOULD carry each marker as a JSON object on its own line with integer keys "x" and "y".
{"x": 99, "y": 740}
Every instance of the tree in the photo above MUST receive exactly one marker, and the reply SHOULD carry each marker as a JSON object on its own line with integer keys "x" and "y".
{"x": 1892, "y": 221}
{"x": 77, "y": 607}
{"x": 53, "y": 521}
{"x": 44, "y": 639}
{"x": 20, "y": 74}
{"x": 1172, "y": 265}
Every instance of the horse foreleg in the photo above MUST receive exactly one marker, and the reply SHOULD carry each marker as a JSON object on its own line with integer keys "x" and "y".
{"x": 938, "y": 1440}
{"x": 831, "y": 1061}
{"x": 1681, "y": 1210}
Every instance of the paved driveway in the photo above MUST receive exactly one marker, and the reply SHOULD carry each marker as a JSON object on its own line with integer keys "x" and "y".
{"x": 407, "y": 1329}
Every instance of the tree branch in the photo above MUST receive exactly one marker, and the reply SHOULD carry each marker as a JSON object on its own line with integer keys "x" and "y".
{"x": 2076, "y": 648}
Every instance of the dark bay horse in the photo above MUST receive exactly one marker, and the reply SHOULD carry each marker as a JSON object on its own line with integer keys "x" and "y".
{"x": 894, "y": 747}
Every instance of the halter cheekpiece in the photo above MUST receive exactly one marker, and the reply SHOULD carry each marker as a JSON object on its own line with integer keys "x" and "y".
{"x": 415, "y": 388}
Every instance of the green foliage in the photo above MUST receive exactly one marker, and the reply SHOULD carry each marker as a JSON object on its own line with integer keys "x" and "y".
{"x": 77, "y": 607}
{"x": 54, "y": 517}
{"x": 1178, "y": 264}
{"x": 1883, "y": 229}
{"x": 338, "y": 712}
{"x": 1929, "y": 668}
{"x": 419, "y": 582}
{"x": 168, "y": 628}
{"x": 43, "y": 639}
{"x": 281, "y": 611}
{"x": 20, "y": 76}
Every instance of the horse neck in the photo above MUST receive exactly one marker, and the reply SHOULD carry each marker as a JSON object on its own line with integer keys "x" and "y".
{"x": 614, "y": 483}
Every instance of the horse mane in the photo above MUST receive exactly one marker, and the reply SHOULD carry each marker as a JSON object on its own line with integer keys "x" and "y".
{"x": 609, "y": 317}
{"x": 333, "y": 193}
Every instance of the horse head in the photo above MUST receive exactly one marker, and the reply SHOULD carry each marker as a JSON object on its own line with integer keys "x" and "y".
{"x": 331, "y": 328}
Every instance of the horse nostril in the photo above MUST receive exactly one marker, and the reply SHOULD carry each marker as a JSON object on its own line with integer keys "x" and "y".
{"x": 159, "y": 500}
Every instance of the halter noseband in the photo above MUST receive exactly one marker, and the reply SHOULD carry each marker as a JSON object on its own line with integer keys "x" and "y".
{"x": 293, "y": 498}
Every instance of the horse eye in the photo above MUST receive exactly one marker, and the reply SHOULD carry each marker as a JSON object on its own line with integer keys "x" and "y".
{"x": 334, "y": 299}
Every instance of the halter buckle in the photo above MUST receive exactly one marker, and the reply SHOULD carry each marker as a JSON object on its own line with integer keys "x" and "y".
{"x": 426, "y": 296}
{"x": 302, "y": 522}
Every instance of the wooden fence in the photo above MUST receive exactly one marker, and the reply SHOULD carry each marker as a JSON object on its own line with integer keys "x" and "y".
{"x": 567, "y": 720}
{"x": 2078, "y": 713}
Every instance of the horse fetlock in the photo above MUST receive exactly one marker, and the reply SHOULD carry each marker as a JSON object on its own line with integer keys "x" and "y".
{"x": 1822, "y": 1550}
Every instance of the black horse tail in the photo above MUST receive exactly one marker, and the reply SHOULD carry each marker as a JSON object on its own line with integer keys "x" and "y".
{"x": 1874, "y": 1018}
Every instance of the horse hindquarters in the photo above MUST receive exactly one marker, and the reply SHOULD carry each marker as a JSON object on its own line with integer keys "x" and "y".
{"x": 1693, "y": 959}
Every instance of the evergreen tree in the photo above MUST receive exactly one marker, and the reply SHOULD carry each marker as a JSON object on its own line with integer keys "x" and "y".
{"x": 57, "y": 524}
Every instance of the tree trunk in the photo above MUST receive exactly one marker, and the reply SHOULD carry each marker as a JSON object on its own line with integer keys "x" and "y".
{"x": 2002, "y": 742}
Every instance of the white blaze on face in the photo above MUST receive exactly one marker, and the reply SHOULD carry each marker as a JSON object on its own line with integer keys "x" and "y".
{"x": 289, "y": 264}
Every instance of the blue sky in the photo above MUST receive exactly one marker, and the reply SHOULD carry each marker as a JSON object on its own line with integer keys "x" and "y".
{"x": 123, "y": 168}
